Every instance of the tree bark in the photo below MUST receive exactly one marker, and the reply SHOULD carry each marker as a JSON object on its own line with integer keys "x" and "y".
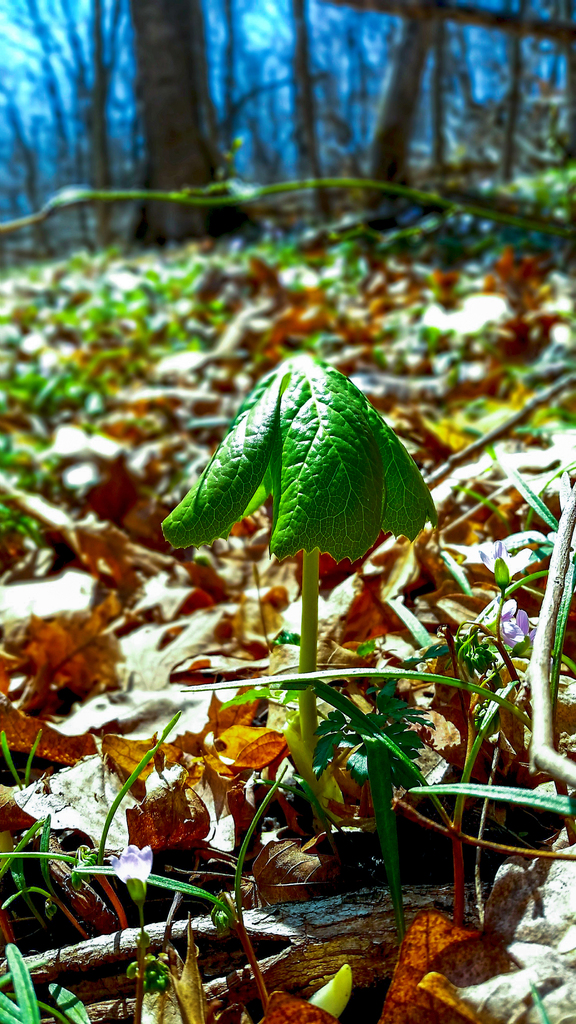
{"x": 438, "y": 95}
{"x": 389, "y": 160}
{"x": 305, "y": 104}
{"x": 570, "y": 56}
{"x": 513, "y": 102}
{"x": 177, "y": 151}
{"x": 100, "y": 151}
{"x": 229, "y": 66}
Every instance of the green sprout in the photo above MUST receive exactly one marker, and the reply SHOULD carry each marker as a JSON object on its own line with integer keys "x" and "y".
{"x": 337, "y": 474}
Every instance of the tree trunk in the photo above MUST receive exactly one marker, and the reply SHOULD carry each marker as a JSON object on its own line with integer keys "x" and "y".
{"x": 305, "y": 104}
{"x": 177, "y": 153}
{"x": 513, "y": 103}
{"x": 570, "y": 56}
{"x": 395, "y": 120}
{"x": 438, "y": 95}
{"x": 229, "y": 65}
{"x": 100, "y": 152}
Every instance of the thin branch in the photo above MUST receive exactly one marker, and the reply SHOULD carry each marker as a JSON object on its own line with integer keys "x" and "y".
{"x": 465, "y": 454}
{"x": 468, "y": 14}
{"x": 215, "y": 195}
{"x": 543, "y": 756}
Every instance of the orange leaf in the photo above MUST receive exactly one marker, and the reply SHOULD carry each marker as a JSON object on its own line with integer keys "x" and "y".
{"x": 126, "y": 754}
{"x": 452, "y": 1009}
{"x": 171, "y": 816}
{"x": 283, "y": 871}
{"x": 434, "y": 944}
{"x": 21, "y": 731}
{"x": 286, "y": 1009}
{"x": 249, "y": 746}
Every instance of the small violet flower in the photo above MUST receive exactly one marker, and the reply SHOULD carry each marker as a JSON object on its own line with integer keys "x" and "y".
{"x": 133, "y": 867}
{"x": 515, "y": 628}
{"x": 133, "y": 863}
{"x": 514, "y": 563}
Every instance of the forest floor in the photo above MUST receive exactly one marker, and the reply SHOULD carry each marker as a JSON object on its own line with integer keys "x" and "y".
{"x": 118, "y": 378}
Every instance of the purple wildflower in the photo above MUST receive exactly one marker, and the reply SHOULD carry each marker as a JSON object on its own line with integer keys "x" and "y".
{"x": 134, "y": 863}
{"x": 514, "y": 563}
{"x": 515, "y": 628}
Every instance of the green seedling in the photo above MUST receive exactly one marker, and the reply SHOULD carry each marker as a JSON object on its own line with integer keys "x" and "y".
{"x": 337, "y": 474}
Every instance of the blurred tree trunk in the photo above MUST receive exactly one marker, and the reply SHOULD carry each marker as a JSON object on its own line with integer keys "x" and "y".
{"x": 208, "y": 119}
{"x": 53, "y": 91}
{"x": 566, "y": 13}
{"x": 229, "y": 66}
{"x": 101, "y": 177}
{"x": 30, "y": 163}
{"x": 81, "y": 105}
{"x": 177, "y": 151}
{"x": 438, "y": 96}
{"x": 513, "y": 102}
{"x": 305, "y": 104}
{"x": 389, "y": 158}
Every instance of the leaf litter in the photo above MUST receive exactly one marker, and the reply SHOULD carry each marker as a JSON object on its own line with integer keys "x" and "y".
{"x": 119, "y": 378}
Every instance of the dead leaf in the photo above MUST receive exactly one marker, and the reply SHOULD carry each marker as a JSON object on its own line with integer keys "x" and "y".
{"x": 125, "y": 753}
{"x": 21, "y": 731}
{"x": 284, "y": 1008}
{"x": 171, "y": 816}
{"x": 12, "y": 817}
{"x": 73, "y": 651}
{"x": 188, "y": 986}
{"x": 283, "y": 871}
{"x": 434, "y": 944}
{"x": 249, "y": 747}
{"x": 451, "y": 1008}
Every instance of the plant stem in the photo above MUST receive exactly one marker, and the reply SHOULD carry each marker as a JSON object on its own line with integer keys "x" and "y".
{"x": 142, "y": 946}
{"x": 309, "y": 643}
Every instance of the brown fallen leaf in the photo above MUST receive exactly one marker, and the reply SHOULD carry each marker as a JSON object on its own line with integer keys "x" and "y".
{"x": 73, "y": 650}
{"x": 286, "y": 1009}
{"x": 188, "y": 986}
{"x": 434, "y": 944}
{"x": 21, "y": 731}
{"x": 283, "y": 871}
{"x": 125, "y": 754}
{"x": 171, "y": 816}
{"x": 12, "y": 817}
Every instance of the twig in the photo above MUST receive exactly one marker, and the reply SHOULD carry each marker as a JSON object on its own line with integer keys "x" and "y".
{"x": 216, "y": 195}
{"x": 479, "y": 445}
{"x": 483, "y": 816}
{"x": 543, "y": 756}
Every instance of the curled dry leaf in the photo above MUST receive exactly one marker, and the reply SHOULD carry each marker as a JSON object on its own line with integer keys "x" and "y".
{"x": 171, "y": 816}
{"x": 249, "y": 747}
{"x": 283, "y": 871}
{"x": 125, "y": 754}
{"x": 12, "y": 817}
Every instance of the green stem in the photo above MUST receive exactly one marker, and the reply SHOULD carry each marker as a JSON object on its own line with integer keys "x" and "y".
{"x": 309, "y": 644}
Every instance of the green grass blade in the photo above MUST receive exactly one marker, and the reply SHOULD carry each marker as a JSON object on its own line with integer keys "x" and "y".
{"x": 22, "y": 985}
{"x": 530, "y": 496}
{"x": 418, "y": 631}
{"x": 555, "y": 803}
{"x": 69, "y": 1004}
{"x": 378, "y": 757}
{"x": 539, "y": 1004}
{"x": 457, "y": 572}
{"x": 45, "y": 848}
{"x": 9, "y": 1012}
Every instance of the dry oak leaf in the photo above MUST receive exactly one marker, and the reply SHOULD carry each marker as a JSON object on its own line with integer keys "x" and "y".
{"x": 283, "y": 872}
{"x": 12, "y": 817}
{"x": 286, "y": 1009}
{"x": 21, "y": 731}
{"x": 250, "y": 747}
{"x": 171, "y": 816}
{"x": 433, "y": 944}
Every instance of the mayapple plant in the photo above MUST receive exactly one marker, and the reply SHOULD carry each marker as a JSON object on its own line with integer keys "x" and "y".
{"x": 337, "y": 475}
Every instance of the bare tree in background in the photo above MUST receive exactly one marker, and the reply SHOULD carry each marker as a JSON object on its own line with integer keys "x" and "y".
{"x": 566, "y": 12}
{"x": 228, "y": 71}
{"x": 178, "y": 155}
{"x": 438, "y": 96}
{"x": 389, "y": 159}
{"x": 513, "y": 101}
{"x": 29, "y": 160}
{"x": 305, "y": 104}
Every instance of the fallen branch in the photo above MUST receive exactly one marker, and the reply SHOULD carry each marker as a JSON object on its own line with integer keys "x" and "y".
{"x": 216, "y": 195}
{"x": 465, "y": 454}
{"x": 543, "y": 755}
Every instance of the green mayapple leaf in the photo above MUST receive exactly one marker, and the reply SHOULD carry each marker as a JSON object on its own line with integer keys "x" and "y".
{"x": 337, "y": 473}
